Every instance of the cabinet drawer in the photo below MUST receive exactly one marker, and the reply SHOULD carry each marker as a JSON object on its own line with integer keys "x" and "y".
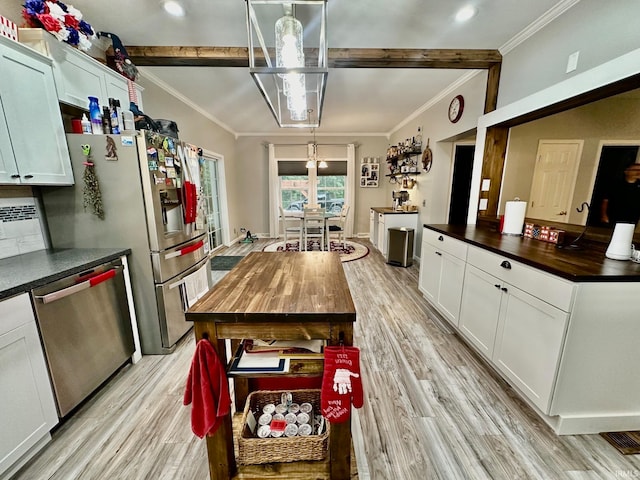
{"x": 442, "y": 242}
{"x": 549, "y": 288}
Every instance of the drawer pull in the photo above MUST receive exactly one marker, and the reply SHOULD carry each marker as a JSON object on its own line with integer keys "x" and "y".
{"x": 506, "y": 264}
{"x": 504, "y": 289}
{"x": 438, "y": 253}
{"x": 497, "y": 285}
{"x": 15, "y": 175}
{"x": 441, "y": 238}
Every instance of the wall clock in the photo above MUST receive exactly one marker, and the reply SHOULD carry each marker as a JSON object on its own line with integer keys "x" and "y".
{"x": 456, "y": 107}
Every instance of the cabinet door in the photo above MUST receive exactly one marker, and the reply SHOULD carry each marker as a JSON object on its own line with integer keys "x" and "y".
{"x": 26, "y": 400}
{"x": 373, "y": 228}
{"x": 528, "y": 344}
{"x": 8, "y": 167}
{"x": 480, "y": 309}
{"x": 430, "y": 269}
{"x": 33, "y": 119}
{"x": 450, "y": 290}
{"x": 382, "y": 235}
{"x": 77, "y": 76}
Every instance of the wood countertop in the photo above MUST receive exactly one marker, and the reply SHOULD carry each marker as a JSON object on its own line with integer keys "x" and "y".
{"x": 580, "y": 265}
{"x": 279, "y": 286}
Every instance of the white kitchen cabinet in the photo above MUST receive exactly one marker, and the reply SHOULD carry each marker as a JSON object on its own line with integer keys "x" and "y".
{"x": 384, "y": 219}
{"x": 480, "y": 309}
{"x": 373, "y": 228}
{"x": 528, "y": 344}
{"x": 442, "y": 267}
{"x": 520, "y": 333}
{"x": 78, "y": 77}
{"x": 568, "y": 347}
{"x": 382, "y": 235}
{"x": 33, "y": 147}
{"x": 27, "y": 408}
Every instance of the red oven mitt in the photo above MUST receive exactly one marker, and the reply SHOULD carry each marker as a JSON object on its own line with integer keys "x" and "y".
{"x": 341, "y": 383}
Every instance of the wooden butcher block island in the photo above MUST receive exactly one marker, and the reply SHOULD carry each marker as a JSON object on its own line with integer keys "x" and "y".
{"x": 284, "y": 296}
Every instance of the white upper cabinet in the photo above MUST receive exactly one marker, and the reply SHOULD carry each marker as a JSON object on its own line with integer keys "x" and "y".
{"x": 33, "y": 147}
{"x": 79, "y": 76}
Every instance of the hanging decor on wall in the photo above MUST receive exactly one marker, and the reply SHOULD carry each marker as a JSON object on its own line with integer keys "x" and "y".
{"x": 369, "y": 172}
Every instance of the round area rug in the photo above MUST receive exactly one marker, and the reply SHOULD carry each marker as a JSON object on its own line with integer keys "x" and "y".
{"x": 353, "y": 250}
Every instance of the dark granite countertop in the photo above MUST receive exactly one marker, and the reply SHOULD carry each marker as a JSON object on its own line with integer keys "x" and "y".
{"x": 389, "y": 210}
{"x": 23, "y": 272}
{"x": 584, "y": 265}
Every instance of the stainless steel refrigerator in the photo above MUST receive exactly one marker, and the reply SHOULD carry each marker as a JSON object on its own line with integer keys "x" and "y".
{"x": 149, "y": 195}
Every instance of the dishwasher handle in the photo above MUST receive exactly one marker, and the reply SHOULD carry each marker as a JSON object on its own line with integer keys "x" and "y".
{"x": 88, "y": 283}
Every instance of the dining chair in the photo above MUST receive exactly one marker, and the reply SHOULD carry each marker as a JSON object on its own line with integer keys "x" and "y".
{"x": 313, "y": 223}
{"x": 291, "y": 227}
{"x": 336, "y": 227}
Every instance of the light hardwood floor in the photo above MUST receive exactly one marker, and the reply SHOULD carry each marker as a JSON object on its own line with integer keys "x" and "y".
{"x": 433, "y": 409}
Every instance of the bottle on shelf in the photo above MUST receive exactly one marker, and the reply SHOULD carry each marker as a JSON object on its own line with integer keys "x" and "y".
{"x": 86, "y": 124}
{"x": 106, "y": 123}
{"x": 418, "y": 144}
{"x": 127, "y": 120}
{"x": 95, "y": 116}
{"x": 114, "y": 116}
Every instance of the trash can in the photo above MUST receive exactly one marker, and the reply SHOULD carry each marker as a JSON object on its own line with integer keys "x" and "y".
{"x": 400, "y": 246}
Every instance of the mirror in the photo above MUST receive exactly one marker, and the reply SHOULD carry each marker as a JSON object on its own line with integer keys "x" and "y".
{"x": 605, "y": 134}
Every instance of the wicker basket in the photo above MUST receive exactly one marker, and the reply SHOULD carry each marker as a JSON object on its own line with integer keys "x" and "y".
{"x": 252, "y": 450}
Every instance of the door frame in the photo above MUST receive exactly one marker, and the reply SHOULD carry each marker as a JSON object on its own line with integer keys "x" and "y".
{"x": 455, "y": 145}
{"x": 222, "y": 189}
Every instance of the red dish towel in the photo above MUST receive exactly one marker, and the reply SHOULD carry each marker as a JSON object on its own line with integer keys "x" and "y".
{"x": 207, "y": 390}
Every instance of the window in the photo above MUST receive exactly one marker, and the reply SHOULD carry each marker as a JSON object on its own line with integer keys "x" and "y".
{"x": 295, "y": 182}
{"x": 293, "y": 186}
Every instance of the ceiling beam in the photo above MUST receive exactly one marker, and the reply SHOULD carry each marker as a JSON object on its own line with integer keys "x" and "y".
{"x": 170, "y": 56}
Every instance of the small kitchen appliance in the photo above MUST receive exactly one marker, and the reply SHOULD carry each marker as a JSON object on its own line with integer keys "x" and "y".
{"x": 620, "y": 247}
{"x": 399, "y": 198}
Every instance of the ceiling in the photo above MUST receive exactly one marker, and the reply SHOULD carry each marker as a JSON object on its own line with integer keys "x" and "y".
{"x": 357, "y": 100}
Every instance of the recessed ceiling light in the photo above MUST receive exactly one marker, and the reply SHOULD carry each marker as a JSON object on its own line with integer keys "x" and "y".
{"x": 174, "y": 8}
{"x": 465, "y": 13}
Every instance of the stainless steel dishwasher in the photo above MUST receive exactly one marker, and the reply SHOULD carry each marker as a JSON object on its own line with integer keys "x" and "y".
{"x": 85, "y": 329}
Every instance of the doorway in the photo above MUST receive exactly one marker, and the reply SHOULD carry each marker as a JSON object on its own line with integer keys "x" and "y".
{"x": 613, "y": 160}
{"x": 461, "y": 183}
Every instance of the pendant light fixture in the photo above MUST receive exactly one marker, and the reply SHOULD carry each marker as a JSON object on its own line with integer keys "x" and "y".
{"x": 313, "y": 151}
{"x": 292, "y": 83}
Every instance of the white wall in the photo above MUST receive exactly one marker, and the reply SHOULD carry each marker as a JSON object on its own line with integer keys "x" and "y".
{"x": 433, "y": 188}
{"x": 253, "y": 178}
{"x": 617, "y": 118}
{"x": 599, "y": 30}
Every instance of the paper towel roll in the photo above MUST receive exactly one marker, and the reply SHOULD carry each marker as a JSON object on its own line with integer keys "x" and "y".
{"x": 514, "y": 212}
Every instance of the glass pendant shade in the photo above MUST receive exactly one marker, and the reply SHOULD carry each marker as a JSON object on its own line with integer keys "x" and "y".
{"x": 289, "y": 48}
{"x": 290, "y": 83}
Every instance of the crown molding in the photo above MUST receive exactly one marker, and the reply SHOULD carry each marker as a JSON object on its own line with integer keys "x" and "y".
{"x": 534, "y": 27}
{"x": 175, "y": 93}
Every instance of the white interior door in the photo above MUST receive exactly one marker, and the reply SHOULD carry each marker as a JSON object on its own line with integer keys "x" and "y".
{"x": 554, "y": 179}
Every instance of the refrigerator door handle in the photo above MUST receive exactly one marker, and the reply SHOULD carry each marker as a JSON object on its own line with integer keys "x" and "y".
{"x": 185, "y": 250}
